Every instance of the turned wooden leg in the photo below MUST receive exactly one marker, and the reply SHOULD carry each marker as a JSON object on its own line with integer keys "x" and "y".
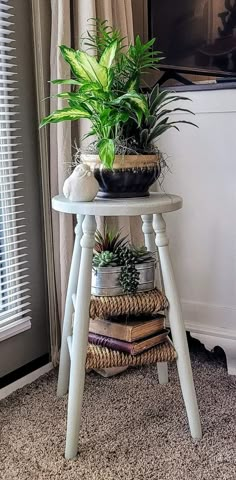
{"x": 149, "y": 236}
{"x": 80, "y": 338}
{"x": 64, "y": 369}
{"x": 177, "y": 329}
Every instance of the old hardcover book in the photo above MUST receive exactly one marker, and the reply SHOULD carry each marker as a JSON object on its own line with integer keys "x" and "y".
{"x": 133, "y": 348}
{"x": 128, "y": 329}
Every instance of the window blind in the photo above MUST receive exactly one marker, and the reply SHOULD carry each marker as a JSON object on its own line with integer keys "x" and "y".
{"x": 14, "y": 275}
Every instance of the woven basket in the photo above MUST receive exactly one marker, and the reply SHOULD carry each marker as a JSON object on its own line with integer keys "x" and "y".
{"x": 144, "y": 302}
{"x": 123, "y": 162}
{"x": 102, "y": 357}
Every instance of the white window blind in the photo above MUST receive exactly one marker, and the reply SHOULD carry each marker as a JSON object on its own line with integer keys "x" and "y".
{"x": 14, "y": 276}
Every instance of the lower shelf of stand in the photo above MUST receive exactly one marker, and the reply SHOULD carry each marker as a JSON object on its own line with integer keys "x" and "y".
{"x": 102, "y": 357}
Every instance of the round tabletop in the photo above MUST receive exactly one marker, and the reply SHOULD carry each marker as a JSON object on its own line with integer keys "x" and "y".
{"x": 155, "y": 203}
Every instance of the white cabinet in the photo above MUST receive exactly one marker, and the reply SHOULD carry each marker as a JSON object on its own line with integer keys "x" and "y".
{"x": 203, "y": 171}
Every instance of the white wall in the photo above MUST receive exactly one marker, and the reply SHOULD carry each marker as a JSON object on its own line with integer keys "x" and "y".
{"x": 203, "y": 234}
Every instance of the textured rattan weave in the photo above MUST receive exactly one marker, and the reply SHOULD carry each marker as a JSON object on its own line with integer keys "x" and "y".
{"x": 143, "y": 302}
{"x": 102, "y": 357}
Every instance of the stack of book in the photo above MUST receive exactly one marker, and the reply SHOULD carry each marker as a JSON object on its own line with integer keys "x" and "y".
{"x": 130, "y": 334}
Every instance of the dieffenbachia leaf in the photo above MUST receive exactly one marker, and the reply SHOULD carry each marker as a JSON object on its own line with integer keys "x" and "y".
{"x": 110, "y": 118}
{"x": 84, "y": 66}
{"x": 89, "y": 69}
{"x": 132, "y": 85}
{"x": 71, "y": 57}
{"x": 91, "y": 87}
{"x": 65, "y": 82}
{"x": 135, "y": 98}
{"x": 108, "y": 55}
{"x": 65, "y": 114}
{"x": 139, "y": 114}
{"x": 106, "y": 149}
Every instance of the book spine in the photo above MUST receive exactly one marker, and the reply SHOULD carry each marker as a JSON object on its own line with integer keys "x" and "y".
{"x": 110, "y": 343}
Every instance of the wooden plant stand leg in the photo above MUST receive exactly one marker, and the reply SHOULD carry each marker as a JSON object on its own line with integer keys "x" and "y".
{"x": 80, "y": 337}
{"x": 149, "y": 236}
{"x": 177, "y": 329}
{"x": 64, "y": 369}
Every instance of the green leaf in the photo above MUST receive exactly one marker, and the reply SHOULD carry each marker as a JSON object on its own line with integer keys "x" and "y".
{"x": 81, "y": 101}
{"x": 164, "y": 126}
{"x": 89, "y": 69}
{"x": 65, "y": 114}
{"x": 135, "y": 98}
{"x": 149, "y": 44}
{"x": 169, "y": 111}
{"x": 154, "y": 93}
{"x": 70, "y": 56}
{"x": 139, "y": 114}
{"x": 141, "y": 102}
{"x": 150, "y": 121}
{"x": 144, "y": 137}
{"x": 84, "y": 66}
{"x": 156, "y": 101}
{"x": 106, "y": 150}
{"x": 70, "y": 95}
{"x": 184, "y": 121}
{"x": 108, "y": 55}
{"x": 131, "y": 85}
{"x": 65, "y": 82}
{"x": 123, "y": 117}
{"x": 169, "y": 100}
{"x": 92, "y": 88}
{"x": 111, "y": 118}
{"x": 159, "y": 130}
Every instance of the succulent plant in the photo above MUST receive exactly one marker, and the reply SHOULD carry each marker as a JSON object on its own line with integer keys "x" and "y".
{"x": 110, "y": 241}
{"x": 129, "y": 278}
{"x": 111, "y": 249}
{"x": 104, "y": 259}
{"x": 128, "y": 257}
{"x": 141, "y": 254}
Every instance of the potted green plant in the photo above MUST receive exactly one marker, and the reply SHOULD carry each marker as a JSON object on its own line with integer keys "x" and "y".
{"x": 126, "y": 123}
{"x": 119, "y": 268}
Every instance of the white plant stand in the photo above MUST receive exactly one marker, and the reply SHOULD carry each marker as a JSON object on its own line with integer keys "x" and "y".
{"x": 74, "y": 348}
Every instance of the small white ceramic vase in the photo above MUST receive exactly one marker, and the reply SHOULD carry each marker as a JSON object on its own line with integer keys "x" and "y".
{"x": 81, "y": 185}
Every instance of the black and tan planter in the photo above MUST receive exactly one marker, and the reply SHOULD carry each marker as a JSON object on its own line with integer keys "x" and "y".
{"x": 131, "y": 175}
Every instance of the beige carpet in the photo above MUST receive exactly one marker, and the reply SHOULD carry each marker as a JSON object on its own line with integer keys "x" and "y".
{"x": 132, "y": 428}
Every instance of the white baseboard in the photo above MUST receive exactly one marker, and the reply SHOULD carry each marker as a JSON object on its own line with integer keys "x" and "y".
{"x": 211, "y": 330}
{"x": 214, "y": 326}
{"x": 210, "y": 318}
{"x": 31, "y": 377}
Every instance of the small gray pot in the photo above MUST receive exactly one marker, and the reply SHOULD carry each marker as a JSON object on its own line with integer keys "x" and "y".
{"x": 105, "y": 280}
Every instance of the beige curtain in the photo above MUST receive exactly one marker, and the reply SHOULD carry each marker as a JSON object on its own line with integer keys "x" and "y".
{"x": 41, "y": 20}
{"x": 68, "y": 23}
